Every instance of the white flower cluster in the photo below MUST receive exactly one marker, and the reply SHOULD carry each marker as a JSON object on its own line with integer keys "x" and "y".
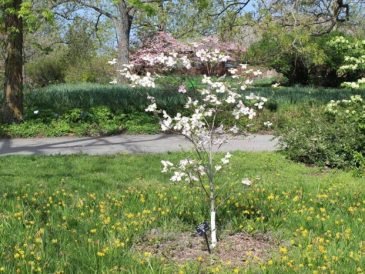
{"x": 354, "y": 85}
{"x": 187, "y": 170}
{"x": 213, "y": 56}
{"x": 169, "y": 61}
{"x": 268, "y": 124}
{"x": 333, "y": 106}
{"x": 224, "y": 161}
{"x": 146, "y": 81}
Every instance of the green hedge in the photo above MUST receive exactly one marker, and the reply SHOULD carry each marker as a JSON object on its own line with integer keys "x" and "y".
{"x": 62, "y": 98}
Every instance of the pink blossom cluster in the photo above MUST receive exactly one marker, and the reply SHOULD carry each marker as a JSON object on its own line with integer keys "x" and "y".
{"x": 163, "y": 43}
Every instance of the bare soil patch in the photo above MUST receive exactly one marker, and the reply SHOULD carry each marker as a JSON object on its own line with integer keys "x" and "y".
{"x": 235, "y": 249}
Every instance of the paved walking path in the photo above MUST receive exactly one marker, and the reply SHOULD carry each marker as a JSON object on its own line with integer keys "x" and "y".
{"x": 125, "y": 144}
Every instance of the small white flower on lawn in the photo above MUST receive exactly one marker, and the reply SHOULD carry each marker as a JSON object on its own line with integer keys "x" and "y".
{"x": 182, "y": 89}
{"x": 267, "y": 124}
{"x": 246, "y": 182}
{"x": 36, "y": 111}
{"x": 276, "y": 85}
{"x": 112, "y": 62}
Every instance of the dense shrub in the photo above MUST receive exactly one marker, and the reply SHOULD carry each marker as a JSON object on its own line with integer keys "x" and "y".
{"x": 95, "y": 70}
{"x": 333, "y": 135}
{"x": 299, "y": 56}
{"x": 97, "y": 121}
{"x": 47, "y": 70}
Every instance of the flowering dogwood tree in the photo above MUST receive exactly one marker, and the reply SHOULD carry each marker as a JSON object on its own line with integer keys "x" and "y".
{"x": 354, "y": 59}
{"x": 201, "y": 127}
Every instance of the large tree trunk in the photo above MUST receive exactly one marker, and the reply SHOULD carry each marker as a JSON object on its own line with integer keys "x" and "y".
{"x": 13, "y": 88}
{"x": 123, "y": 26}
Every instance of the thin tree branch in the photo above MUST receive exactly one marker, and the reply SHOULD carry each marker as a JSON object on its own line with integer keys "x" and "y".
{"x": 97, "y": 9}
{"x": 242, "y": 5}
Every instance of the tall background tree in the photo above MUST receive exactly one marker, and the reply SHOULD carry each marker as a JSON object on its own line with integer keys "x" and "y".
{"x": 17, "y": 17}
{"x": 121, "y": 14}
{"x": 12, "y": 22}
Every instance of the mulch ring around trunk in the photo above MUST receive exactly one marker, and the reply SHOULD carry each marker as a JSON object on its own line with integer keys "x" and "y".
{"x": 237, "y": 249}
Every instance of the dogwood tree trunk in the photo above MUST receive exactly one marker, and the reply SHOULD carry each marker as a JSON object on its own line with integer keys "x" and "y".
{"x": 213, "y": 227}
{"x": 212, "y": 217}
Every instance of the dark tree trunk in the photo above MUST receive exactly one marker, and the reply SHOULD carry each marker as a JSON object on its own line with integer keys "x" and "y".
{"x": 162, "y": 23}
{"x": 13, "y": 88}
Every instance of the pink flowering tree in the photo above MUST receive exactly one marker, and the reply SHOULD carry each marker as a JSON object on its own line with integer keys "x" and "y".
{"x": 197, "y": 51}
{"x": 201, "y": 127}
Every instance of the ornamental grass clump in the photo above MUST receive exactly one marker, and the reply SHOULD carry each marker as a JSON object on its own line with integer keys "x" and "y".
{"x": 201, "y": 126}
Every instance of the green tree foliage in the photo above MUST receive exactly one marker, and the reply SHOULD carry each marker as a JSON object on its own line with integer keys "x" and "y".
{"x": 302, "y": 57}
{"x": 79, "y": 58}
{"x": 292, "y": 53}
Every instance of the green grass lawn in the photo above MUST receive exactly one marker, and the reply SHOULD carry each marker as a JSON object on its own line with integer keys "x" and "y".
{"x": 85, "y": 214}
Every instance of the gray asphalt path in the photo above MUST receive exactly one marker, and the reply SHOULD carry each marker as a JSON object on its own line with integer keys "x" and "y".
{"x": 125, "y": 144}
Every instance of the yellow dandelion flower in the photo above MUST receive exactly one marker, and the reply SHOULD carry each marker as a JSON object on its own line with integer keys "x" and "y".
{"x": 100, "y": 254}
{"x": 283, "y": 250}
{"x": 322, "y": 249}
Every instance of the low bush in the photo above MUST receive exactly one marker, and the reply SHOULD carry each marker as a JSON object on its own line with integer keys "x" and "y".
{"x": 98, "y": 121}
{"x": 333, "y": 136}
{"x": 47, "y": 70}
{"x": 94, "y": 70}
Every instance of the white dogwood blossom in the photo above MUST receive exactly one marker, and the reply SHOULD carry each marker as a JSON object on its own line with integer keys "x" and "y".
{"x": 166, "y": 166}
{"x": 267, "y": 124}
